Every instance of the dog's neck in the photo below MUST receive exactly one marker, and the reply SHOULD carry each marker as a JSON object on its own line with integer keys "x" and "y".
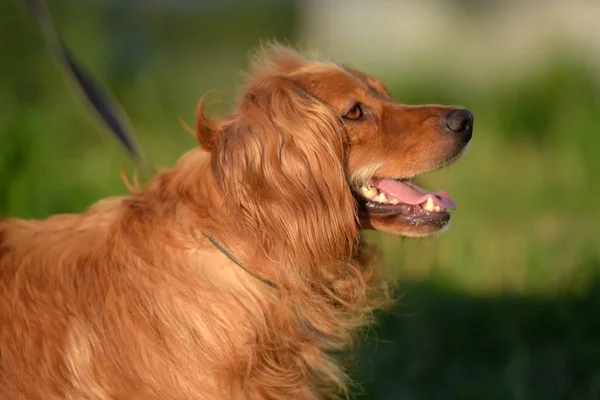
{"x": 316, "y": 304}
{"x": 192, "y": 195}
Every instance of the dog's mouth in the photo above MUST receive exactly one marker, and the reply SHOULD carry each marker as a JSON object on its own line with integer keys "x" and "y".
{"x": 401, "y": 198}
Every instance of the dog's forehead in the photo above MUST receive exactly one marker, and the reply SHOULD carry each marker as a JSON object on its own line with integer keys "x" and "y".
{"x": 340, "y": 79}
{"x": 333, "y": 80}
{"x": 374, "y": 84}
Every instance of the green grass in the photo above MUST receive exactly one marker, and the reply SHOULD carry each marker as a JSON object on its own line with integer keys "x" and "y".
{"x": 501, "y": 306}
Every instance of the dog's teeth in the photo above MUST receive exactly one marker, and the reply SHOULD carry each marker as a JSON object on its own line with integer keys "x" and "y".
{"x": 381, "y": 198}
{"x": 428, "y": 205}
{"x": 394, "y": 201}
{"x": 369, "y": 192}
{"x": 437, "y": 208}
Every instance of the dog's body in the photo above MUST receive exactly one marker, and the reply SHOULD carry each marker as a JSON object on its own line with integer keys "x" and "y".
{"x": 132, "y": 300}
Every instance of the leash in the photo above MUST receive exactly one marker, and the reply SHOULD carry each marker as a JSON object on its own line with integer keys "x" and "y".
{"x": 98, "y": 101}
{"x": 103, "y": 105}
{"x": 239, "y": 264}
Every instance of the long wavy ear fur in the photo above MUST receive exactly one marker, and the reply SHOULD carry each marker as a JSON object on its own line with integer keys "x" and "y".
{"x": 206, "y": 129}
{"x": 280, "y": 164}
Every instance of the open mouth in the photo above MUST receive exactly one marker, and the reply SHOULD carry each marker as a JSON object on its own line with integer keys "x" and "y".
{"x": 403, "y": 198}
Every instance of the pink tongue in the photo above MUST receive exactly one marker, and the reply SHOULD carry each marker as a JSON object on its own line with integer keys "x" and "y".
{"x": 409, "y": 193}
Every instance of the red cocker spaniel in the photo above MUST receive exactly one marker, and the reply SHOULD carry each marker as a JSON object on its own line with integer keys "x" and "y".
{"x": 239, "y": 273}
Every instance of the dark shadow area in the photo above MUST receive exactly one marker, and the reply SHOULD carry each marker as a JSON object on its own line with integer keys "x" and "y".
{"x": 441, "y": 344}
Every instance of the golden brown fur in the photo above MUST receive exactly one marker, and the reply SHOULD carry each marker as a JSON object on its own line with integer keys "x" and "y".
{"x": 129, "y": 300}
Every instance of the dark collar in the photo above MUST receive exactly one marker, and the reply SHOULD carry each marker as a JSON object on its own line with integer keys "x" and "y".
{"x": 239, "y": 264}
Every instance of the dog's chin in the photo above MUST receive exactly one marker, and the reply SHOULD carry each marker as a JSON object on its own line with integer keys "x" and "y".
{"x": 402, "y": 219}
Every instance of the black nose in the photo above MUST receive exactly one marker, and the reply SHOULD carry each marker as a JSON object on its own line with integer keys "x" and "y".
{"x": 460, "y": 122}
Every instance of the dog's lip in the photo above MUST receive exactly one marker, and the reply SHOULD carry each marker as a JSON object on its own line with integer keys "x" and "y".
{"x": 413, "y": 213}
{"x": 410, "y": 202}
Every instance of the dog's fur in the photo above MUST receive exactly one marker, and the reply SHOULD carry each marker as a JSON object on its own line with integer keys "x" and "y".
{"x": 129, "y": 300}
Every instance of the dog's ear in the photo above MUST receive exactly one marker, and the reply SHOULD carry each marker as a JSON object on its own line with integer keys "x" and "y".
{"x": 281, "y": 166}
{"x": 270, "y": 58}
{"x": 206, "y": 129}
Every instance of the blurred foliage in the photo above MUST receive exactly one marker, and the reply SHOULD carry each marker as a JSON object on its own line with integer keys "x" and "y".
{"x": 502, "y": 306}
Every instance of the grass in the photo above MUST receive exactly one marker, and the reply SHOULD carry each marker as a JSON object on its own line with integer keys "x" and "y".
{"x": 502, "y": 306}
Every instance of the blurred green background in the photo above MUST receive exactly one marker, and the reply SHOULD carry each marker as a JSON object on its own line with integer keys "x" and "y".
{"x": 504, "y": 305}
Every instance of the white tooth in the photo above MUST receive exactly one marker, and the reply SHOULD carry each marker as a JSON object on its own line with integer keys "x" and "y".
{"x": 437, "y": 208}
{"x": 394, "y": 201}
{"x": 368, "y": 192}
{"x": 428, "y": 205}
{"x": 381, "y": 198}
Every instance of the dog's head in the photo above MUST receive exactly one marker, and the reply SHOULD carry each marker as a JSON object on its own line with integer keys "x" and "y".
{"x": 314, "y": 148}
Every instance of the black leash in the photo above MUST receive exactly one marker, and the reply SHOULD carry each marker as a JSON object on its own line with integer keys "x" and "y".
{"x": 239, "y": 264}
{"x": 104, "y": 106}
{"x": 100, "y": 103}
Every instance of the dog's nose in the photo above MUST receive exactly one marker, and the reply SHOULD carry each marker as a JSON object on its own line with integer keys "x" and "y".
{"x": 460, "y": 122}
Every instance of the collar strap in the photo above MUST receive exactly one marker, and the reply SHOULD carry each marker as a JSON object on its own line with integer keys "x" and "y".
{"x": 239, "y": 264}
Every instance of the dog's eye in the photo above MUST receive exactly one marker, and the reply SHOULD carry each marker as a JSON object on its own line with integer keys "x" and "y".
{"x": 355, "y": 112}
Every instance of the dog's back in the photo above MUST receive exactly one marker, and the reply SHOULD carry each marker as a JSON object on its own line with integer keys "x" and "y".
{"x": 46, "y": 271}
{"x": 90, "y": 310}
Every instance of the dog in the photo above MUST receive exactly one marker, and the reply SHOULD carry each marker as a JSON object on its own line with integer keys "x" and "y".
{"x": 240, "y": 272}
